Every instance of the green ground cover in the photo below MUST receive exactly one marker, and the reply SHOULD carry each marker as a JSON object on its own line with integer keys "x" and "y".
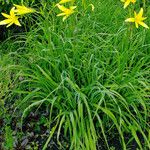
{"x": 81, "y": 84}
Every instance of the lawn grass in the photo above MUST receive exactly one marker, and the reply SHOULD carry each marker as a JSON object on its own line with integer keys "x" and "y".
{"x": 83, "y": 82}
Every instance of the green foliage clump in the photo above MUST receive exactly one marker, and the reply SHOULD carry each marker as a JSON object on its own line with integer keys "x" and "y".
{"x": 85, "y": 80}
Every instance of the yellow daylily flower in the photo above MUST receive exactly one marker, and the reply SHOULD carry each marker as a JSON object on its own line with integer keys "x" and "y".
{"x": 138, "y": 19}
{"x": 64, "y": 1}
{"x": 127, "y": 2}
{"x": 66, "y": 11}
{"x": 21, "y": 10}
{"x": 11, "y": 19}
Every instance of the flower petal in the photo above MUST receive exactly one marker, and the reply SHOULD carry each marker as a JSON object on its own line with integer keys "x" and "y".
{"x": 143, "y": 24}
{"x": 17, "y": 22}
{"x": 65, "y": 17}
{"x": 5, "y": 15}
{"x": 136, "y": 24}
{"x": 18, "y": 6}
{"x": 126, "y": 3}
{"x": 62, "y": 8}
{"x": 143, "y": 18}
{"x": 21, "y": 10}
{"x": 12, "y": 12}
{"x": 73, "y": 7}
{"x": 130, "y": 20}
{"x": 9, "y": 25}
{"x": 61, "y": 14}
{"x": 6, "y": 21}
{"x": 140, "y": 14}
{"x": 64, "y": 1}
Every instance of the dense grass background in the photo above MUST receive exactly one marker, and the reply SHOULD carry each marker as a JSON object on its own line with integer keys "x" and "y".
{"x": 86, "y": 80}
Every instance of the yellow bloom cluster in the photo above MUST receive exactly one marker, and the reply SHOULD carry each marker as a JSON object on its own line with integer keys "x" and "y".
{"x": 66, "y": 12}
{"x": 138, "y": 17}
{"x": 19, "y": 10}
{"x": 127, "y": 2}
{"x": 14, "y": 15}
